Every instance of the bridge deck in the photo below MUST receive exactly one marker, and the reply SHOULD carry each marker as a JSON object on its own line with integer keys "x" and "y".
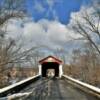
{"x": 55, "y": 89}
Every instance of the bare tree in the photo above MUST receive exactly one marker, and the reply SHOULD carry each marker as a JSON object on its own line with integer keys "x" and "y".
{"x": 90, "y": 30}
{"x": 11, "y": 52}
{"x": 60, "y": 53}
{"x": 85, "y": 66}
{"x": 11, "y": 9}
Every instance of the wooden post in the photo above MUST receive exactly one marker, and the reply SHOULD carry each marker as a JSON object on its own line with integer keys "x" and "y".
{"x": 60, "y": 71}
{"x": 40, "y": 71}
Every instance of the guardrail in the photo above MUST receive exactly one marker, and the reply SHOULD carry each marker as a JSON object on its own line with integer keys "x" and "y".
{"x": 15, "y": 88}
{"x": 84, "y": 86}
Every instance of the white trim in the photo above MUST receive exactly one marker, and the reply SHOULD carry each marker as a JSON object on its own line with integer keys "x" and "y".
{"x": 60, "y": 71}
{"x": 40, "y": 69}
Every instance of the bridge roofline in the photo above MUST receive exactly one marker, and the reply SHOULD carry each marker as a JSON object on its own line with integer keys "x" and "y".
{"x": 50, "y": 59}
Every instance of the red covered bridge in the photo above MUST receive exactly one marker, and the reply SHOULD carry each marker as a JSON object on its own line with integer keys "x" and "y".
{"x": 50, "y": 62}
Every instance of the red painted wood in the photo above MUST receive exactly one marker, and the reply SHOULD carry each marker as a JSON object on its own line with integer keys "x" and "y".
{"x": 50, "y": 59}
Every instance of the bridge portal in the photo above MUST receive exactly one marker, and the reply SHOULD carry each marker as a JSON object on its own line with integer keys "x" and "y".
{"x": 50, "y": 66}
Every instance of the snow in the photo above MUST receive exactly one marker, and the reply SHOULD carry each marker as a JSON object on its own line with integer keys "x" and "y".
{"x": 18, "y": 95}
{"x": 16, "y": 84}
{"x": 96, "y": 89}
{"x": 14, "y": 96}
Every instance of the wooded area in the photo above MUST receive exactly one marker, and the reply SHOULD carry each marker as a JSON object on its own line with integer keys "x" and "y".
{"x": 84, "y": 64}
{"x": 12, "y": 52}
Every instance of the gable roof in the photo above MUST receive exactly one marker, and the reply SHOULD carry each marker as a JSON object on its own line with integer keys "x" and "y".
{"x": 50, "y": 59}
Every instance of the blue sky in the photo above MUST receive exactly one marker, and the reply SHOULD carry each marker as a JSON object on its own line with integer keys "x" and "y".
{"x": 54, "y": 9}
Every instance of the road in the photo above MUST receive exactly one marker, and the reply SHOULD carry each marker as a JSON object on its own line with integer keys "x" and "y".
{"x": 55, "y": 89}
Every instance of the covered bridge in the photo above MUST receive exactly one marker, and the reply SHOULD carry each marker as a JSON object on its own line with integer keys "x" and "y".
{"x": 52, "y": 64}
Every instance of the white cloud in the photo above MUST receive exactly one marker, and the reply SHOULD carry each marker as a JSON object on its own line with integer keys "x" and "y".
{"x": 78, "y": 16}
{"x": 46, "y": 32}
{"x": 39, "y": 7}
{"x": 13, "y": 28}
{"x": 43, "y": 32}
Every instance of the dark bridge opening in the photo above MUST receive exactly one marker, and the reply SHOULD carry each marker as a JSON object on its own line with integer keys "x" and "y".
{"x": 50, "y": 65}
